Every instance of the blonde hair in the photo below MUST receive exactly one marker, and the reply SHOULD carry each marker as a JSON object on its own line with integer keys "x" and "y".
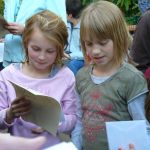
{"x": 104, "y": 20}
{"x": 52, "y": 27}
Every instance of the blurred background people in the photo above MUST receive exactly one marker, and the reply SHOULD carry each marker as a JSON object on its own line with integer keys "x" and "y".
{"x": 140, "y": 50}
{"x": 74, "y": 8}
{"x": 144, "y": 5}
{"x": 16, "y": 12}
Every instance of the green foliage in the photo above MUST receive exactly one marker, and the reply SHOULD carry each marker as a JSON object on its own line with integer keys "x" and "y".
{"x": 1, "y": 7}
{"x": 129, "y": 8}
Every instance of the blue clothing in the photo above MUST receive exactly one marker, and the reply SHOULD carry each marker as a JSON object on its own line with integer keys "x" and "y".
{"x": 74, "y": 48}
{"x": 13, "y": 48}
{"x": 144, "y": 5}
{"x": 74, "y": 65}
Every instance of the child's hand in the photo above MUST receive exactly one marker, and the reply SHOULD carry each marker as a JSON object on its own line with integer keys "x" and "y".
{"x": 19, "y": 107}
{"x": 131, "y": 147}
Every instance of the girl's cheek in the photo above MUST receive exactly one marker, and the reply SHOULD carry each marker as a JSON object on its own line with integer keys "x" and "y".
{"x": 32, "y": 54}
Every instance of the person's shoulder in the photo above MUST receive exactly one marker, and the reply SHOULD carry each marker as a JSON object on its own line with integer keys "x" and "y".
{"x": 129, "y": 72}
{"x": 131, "y": 68}
{"x": 147, "y": 13}
{"x": 9, "y": 68}
{"x": 66, "y": 71}
{"x": 145, "y": 17}
{"x": 9, "y": 72}
{"x": 67, "y": 74}
{"x": 132, "y": 80}
{"x": 83, "y": 72}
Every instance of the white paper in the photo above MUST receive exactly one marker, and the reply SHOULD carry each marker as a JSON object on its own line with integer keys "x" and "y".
{"x": 122, "y": 133}
{"x": 1, "y": 51}
{"x": 63, "y": 146}
{"x": 45, "y": 110}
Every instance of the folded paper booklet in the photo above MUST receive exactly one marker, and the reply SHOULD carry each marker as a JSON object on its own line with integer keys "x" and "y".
{"x": 3, "y": 31}
{"x": 45, "y": 111}
{"x": 123, "y": 133}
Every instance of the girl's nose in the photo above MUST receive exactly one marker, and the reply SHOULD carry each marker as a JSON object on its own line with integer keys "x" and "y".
{"x": 96, "y": 50}
{"x": 42, "y": 56}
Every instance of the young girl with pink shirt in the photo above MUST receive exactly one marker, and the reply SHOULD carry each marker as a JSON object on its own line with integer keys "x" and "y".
{"x": 44, "y": 38}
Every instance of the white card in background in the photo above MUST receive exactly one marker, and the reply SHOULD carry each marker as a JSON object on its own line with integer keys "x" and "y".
{"x": 63, "y": 146}
{"x": 122, "y": 133}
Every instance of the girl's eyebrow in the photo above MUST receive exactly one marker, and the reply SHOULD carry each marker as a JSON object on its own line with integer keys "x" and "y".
{"x": 87, "y": 41}
{"x": 40, "y": 47}
{"x": 34, "y": 46}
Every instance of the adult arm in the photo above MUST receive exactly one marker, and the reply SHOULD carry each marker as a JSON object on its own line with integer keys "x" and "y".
{"x": 58, "y": 7}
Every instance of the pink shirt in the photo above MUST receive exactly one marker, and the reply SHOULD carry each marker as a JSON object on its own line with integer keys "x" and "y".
{"x": 61, "y": 87}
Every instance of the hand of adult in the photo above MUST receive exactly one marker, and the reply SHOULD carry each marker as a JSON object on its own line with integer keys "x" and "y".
{"x": 15, "y": 28}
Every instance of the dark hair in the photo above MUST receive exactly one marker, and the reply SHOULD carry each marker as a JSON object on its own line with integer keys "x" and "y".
{"x": 74, "y": 7}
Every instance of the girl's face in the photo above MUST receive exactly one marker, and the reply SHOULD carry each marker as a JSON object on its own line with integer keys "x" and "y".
{"x": 41, "y": 52}
{"x": 100, "y": 52}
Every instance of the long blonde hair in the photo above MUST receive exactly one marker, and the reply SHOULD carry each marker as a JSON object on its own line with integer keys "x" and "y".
{"x": 104, "y": 20}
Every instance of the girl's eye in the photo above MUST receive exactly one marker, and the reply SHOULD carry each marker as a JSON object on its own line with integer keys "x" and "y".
{"x": 103, "y": 42}
{"x": 36, "y": 49}
{"x": 88, "y": 43}
{"x": 51, "y": 51}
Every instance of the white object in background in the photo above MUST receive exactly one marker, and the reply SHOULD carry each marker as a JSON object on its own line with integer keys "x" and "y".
{"x": 63, "y": 146}
{"x": 123, "y": 133}
{"x": 1, "y": 51}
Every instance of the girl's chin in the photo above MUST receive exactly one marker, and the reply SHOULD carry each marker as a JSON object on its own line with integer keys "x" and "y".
{"x": 100, "y": 62}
